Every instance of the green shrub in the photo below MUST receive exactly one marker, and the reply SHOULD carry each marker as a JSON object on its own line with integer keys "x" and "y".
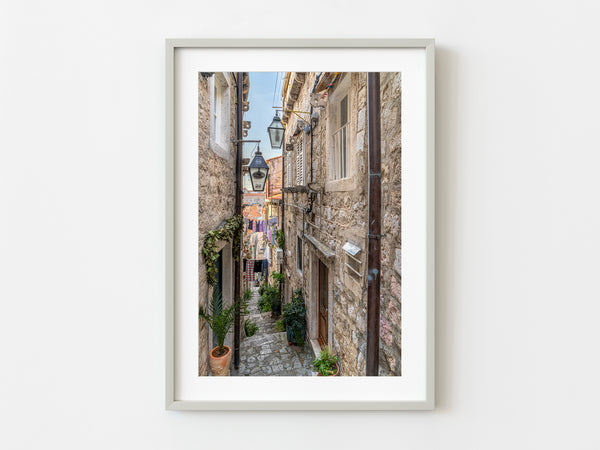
{"x": 279, "y": 279}
{"x": 294, "y": 316}
{"x": 271, "y": 293}
{"x": 250, "y": 328}
{"x": 279, "y": 326}
{"x": 264, "y": 304}
{"x": 261, "y": 289}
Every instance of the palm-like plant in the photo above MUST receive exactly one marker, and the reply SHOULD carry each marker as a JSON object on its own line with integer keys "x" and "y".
{"x": 220, "y": 319}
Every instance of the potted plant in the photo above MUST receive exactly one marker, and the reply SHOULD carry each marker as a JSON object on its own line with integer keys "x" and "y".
{"x": 326, "y": 364}
{"x": 219, "y": 320}
{"x": 294, "y": 319}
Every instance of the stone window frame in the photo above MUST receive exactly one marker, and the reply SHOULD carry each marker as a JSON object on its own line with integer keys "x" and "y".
{"x": 343, "y": 89}
{"x": 220, "y": 104}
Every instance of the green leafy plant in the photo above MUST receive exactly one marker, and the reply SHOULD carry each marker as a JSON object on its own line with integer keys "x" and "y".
{"x": 274, "y": 294}
{"x": 264, "y": 304}
{"x": 250, "y": 328}
{"x": 294, "y": 316}
{"x": 269, "y": 297}
{"x": 247, "y": 295}
{"x": 279, "y": 279}
{"x": 326, "y": 363}
{"x": 219, "y": 319}
{"x": 280, "y": 238}
{"x": 261, "y": 289}
{"x": 279, "y": 326}
{"x": 230, "y": 231}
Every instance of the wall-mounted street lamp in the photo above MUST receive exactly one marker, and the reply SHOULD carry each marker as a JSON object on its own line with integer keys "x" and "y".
{"x": 276, "y": 131}
{"x": 259, "y": 169}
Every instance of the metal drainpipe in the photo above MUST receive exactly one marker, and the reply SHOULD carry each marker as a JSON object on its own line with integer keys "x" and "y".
{"x": 317, "y": 78}
{"x": 312, "y": 196}
{"x": 374, "y": 241}
{"x": 238, "y": 210}
{"x": 282, "y": 225}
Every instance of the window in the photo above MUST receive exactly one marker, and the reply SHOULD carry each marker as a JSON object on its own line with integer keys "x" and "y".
{"x": 339, "y": 125}
{"x": 340, "y": 142}
{"x": 299, "y": 254}
{"x": 300, "y": 160}
{"x": 216, "y": 112}
{"x": 220, "y": 114}
{"x": 353, "y": 263}
{"x": 288, "y": 169}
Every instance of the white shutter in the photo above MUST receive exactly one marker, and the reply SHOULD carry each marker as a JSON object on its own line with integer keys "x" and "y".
{"x": 288, "y": 170}
{"x": 300, "y": 161}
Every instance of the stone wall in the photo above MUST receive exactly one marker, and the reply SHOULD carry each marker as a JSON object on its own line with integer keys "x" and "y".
{"x": 216, "y": 192}
{"x": 391, "y": 329}
{"x": 338, "y": 215}
{"x": 274, "y": 177}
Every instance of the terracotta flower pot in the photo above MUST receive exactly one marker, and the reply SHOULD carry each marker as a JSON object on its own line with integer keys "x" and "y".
{"x": 219, "y": 365}
{"x": 337, "y": 371}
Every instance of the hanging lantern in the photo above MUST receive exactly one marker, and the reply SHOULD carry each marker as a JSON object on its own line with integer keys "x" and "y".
{"x": 276, "y": 131}
{"x": 259, "y": 169}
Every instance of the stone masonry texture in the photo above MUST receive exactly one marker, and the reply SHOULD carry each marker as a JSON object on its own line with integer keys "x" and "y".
{"x": 267, "y": 352}
{"x": 339, "y": 214}
{"x": 216, "y": 192}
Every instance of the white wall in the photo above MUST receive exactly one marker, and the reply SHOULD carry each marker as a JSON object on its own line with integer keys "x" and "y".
{"x": 81, "y": 148}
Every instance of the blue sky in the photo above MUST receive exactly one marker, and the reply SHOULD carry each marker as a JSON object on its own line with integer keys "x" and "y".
{"x": 261, "y": 112}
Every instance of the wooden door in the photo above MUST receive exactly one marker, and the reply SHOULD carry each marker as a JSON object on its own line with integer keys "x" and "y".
{"x": 323, "y": 305}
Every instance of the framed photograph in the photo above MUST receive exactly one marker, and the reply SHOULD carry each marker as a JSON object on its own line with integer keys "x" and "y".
{"x": 300, "y": 224}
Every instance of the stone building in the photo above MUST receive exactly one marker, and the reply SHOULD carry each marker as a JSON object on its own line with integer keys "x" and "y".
{"x": 273, "y": 202}
{"x": 217, "y": 133}
{"x": 326, "y": 202}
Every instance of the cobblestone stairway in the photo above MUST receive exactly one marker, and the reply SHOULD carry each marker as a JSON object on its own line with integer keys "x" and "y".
{"x": 267, "y": 353}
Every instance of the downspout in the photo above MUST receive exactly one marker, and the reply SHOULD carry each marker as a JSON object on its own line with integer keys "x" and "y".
{"x": 312, "y": 196}
{"x": 238, "y": 210}
{"x": 374, "y": 236}
{"x": 282, "y": 225}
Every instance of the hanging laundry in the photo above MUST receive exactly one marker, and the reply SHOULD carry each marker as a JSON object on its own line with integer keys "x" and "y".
{"x": 250, "y": 270}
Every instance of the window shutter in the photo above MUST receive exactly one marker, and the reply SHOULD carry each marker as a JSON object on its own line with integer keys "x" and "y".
{"x": 300, "y": 161}
{"x": 288, "y": 171}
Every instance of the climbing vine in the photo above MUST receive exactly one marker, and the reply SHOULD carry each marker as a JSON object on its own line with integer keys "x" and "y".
{"x": 230, "y": 231}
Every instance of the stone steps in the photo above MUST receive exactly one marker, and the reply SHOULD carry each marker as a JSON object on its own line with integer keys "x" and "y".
{"x": 267, "y": 352}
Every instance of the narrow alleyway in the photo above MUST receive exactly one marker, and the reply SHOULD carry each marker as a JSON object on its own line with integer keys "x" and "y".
{"x": 267, "y": 352}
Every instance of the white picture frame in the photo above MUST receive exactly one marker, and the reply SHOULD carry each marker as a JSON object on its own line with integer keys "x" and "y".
{"x": 414, "y": 391}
